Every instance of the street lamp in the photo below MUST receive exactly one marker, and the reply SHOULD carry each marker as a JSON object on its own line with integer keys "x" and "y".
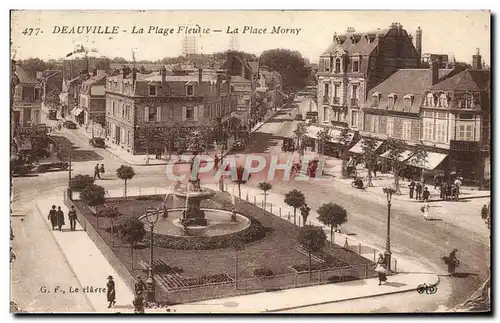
{"x": 70, "y": 195}
{"x": 152, "y": 216}
{"x": 389, "y": 191}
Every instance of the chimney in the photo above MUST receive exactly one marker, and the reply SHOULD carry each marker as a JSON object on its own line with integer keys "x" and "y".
{"x": 163, "y": 73}
{"x": 477, "y": 60}
{"x": 334, "y": 36}
{"x": 418, "y": 44}
{"x": 434, "y": 72}
{"x": 200, "y": 75}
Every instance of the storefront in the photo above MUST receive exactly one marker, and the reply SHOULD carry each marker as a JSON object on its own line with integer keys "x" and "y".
{"x": 468, "y": 161}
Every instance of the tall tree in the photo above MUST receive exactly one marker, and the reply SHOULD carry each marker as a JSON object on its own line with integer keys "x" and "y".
{"x": 396, "y": 148}
{"x": 343, "y": 140}
{"x": 265, "y": 186}
{"x": 300, "y": 133}
{"x": 332, "y": 215}
{"x": 313, "y": 239}
{"x": 323, "y": 137}
{"x": 125, "y": 173}
{"x": 369, "y": 146}
{"x": 291, "y": 66}
{"x": 295, "y": 199}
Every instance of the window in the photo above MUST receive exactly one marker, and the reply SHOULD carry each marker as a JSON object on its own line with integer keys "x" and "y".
{"x": 327, "y": 63}
{"x": 152, "y": 90}
{"x": 406, "y": 129}
{"x": 429, "y": 101}
{"x": 468, "y": 101}
{"x": 123, "y": 111}
{"x": 152, "y": 114}
{"x": 336, "y": 93}
{"x": 113, "y": 107}
{"x": 354, "y": 119}
{"x": 128, "y": 137}
{"x": 375, "y": 123}
{"x": 37, "y": 94}
{"x": 355, "y": 65}
{"x": 443, "y": 101}
{"x": 189, "y": 113}
{"x": 28, "y": 93}
{"x": 407, "y": 102}
{"x": 337, "y": 65}
{"x": 354, "y": 91}
{"x": 466, "y": 116}
{"x": 326, "y": 93}
{"x": 189, "y": 90}
{"x": 428, "y": 125}
{"x": 392, "y": 101}
{"x": 466, "y": 132}
{"x": 441, "y": 131}
{"x": 390, "y": 127}
{"x": 375, "y": 99}
{"x": 326, "y": 117}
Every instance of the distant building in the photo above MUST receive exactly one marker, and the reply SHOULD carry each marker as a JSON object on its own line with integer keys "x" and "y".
{"x": 441, "y": 59}
{"x": 137, "y": 104}
{"x": 92, "y": 101}
{"x": 27, "y": 99}
{"x": 70, "y": 95}
{"x": 74, "y": 65}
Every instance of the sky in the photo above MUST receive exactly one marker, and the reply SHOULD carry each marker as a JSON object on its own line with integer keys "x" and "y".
{"x": 456, "y": 33}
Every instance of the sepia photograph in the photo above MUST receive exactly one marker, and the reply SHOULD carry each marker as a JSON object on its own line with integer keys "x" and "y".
{"x": 250, "y": 162}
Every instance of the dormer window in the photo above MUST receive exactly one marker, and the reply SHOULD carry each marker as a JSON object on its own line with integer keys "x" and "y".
{"x": 355, "y": 65}
{"x": 429, "y": 100}
{"x": 337, "y": 65}
{"x": 392, "y": 101}
{"x": 408, "y": 101}
{"x": 376, "y": 99}
{"x": 443, "y": 100}
{"x": 468, "y": 101}
{"x": 152, "y": 90}
{"x": 189, "y": 89}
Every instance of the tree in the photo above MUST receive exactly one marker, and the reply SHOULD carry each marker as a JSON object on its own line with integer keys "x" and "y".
{"x": 323, "y": 137}
{"x": 132, "y": 231}
{"x": 295, "y": 199}
{"x": 396, "y": 148}
{"x": 241, "y": 178}
{"x": 419, "y": 157}
{"x": 125, "y": 173}
{"x": 265, "y": 186}
{"x": 344, "y": 140}
{"x": 369, "y": 146}
{"x": 93, "y": 195}
{"x": 79, "y": 182}
{"x": 119, "y": 60}
{"x": 111, "y": 213}
{"x": 291, "y": 66}
{"x": 312, "y": 239}
{"x": 300, "y": 133}
{"x": 304, "y": 211}
{"x": 332, "y": 215}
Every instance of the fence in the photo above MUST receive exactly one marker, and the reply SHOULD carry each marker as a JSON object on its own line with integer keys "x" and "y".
{"x": 131, "y": 191}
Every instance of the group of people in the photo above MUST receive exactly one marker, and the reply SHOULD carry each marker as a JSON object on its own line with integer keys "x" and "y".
{"x": 56, "y": 218}
{"x": 419, "y": 191}
{"x": 98, "y": 171}
{"x": 450, "y": 192}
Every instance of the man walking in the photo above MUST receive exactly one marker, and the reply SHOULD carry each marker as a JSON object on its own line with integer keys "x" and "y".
{"x": 72, "y": 218}
{"x": 53, "y": 217}
{"x": 412, "y": 188}
{"x": 60, "y": 218}
{"x": 426, "y": 194}
{"x": 97, "y": 171}
{"x": 139, "y": 286}
{"x": 418, "y": 189}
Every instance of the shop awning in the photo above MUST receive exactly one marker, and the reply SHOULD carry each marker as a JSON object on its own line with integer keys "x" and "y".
{"x": 76, "y": 111}
{"x": 430, "y": 163}
{"x": 313, "y": 131}
{"x": 403, "y": 156}
{"x": 358, "y": 147}
{"x": 335, "y": 134}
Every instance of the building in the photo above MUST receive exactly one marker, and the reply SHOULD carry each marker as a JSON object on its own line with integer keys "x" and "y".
{"x": 51, "y": 82}
{"x": 138, "y": 106}
{"x": 78, "y": 62}
{"x": 92, "y": 103}
{"x": 456, "y": 122}
{"x": 69, "y": 97}
{"x": 243, "y": 91}
{"x": 27, "y": 99}
{"x": 355, "y": 63}
{"x": 427, "y": 58}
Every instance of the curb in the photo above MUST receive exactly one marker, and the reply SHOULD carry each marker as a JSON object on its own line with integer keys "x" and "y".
{"x": 347, "y": 299}
{"x": 64, "y": 255}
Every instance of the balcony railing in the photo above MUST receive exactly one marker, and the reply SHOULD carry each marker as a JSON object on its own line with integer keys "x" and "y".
{"x": 354, "y": 102}
{"x": 336, "y": 101}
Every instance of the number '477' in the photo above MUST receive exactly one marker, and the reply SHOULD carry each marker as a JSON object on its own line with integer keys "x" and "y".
{"x": 31, "y": 31}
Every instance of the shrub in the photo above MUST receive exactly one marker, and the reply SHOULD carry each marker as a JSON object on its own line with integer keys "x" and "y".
{"x": 263, "y": 272}
{"x": 80, "y": 182}
{"x": 93, "y": 195}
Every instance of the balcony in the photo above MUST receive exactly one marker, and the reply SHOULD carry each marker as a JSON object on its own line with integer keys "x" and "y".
{"x": 354, "y": 102}
{"x": 336, "y": 100}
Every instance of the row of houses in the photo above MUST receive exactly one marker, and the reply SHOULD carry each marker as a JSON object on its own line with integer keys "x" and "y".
{"x": 377, "y": 85}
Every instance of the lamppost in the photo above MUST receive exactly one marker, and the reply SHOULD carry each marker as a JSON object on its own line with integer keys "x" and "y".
{"x": 152, "y": 216}
{"x": 387, "y": 253}
{"x": 70, "y": 195}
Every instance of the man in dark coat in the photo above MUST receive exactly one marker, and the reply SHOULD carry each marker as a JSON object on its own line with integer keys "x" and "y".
{"x": 139, "y": 286}
{"x": 59, "y": 218}
{"x": 72, "y": 218}
{"x": 97, "y": 172}
{"x": 418, "y": 189}
{"x": 53, "y": 217}
{"x": 412, "y": 188}
{"x": 426, "y": 194}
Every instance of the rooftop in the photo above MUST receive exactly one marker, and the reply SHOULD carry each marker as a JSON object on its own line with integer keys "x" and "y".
{"x": 468, "y": 80}
{"x": 365, "y": 45}
{"x": 25, "y": 77}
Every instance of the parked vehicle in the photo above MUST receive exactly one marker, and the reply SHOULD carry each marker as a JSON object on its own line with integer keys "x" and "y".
{"x": 97, "y": 142}
{"x": 238, "y": 145}
{"x": 51, "y": 162}
{"x": 69, "y": 124}
{"x": 20, "y": 168}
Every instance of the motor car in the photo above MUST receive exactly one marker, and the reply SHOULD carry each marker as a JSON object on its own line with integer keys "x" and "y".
{"x": 97, "y": 142}
{"x": 69, "y": 124}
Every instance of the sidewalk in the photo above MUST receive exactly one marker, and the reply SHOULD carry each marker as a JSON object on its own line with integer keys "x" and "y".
{"x": 91, "y": 268}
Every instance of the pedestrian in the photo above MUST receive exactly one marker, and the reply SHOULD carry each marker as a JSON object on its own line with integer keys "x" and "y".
{"x": 97, "y": 171}
{"x": 426, "y": 194}
{"x": 425, "y": 210}
{"x": 139, "y": 286}
{"x": 53, "y": 217}
{"x": 412, "y": 188}
{"x": 60, "y": 218}
{"x": 436, "y": 181}
{"x": 442, "y": 191}
{"x": 484, "y": 213}
{"x": 381, "y": 269}
{"x": 458, "y": 184}
{"x": 418, "y": 190}
{"x": 72, "y": 218}
{"x": 138, "y": 303}
{"x": 110, "y": 291}
{"x": 448, "y": 191}
{"x": 451, "y": 261}
{"x": 147, "y": 159}
{"x": 454, "y": 191}
{"x": 216, "y": 162}
{"x": 102, "y": 170}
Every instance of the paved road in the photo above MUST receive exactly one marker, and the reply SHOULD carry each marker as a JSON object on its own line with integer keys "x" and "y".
{"x": 422, "y": 241}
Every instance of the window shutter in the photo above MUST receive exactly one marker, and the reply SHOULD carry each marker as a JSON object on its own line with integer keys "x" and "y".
{"x": 158, "y": 114}
{"x": 195, "y": 113}
{"x": 183, "y": 113}
{"x": 146, "y": 114}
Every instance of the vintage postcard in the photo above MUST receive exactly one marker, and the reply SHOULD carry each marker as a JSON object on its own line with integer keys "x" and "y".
{"x": 250, "y": 161}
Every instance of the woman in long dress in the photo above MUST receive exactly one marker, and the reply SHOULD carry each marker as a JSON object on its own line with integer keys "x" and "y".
{"x": 425, "y": 210}
{"x": 111, "y": 292}
{"x": 381, "y": 269}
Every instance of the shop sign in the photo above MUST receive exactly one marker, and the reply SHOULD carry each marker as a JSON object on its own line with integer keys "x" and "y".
{"x": 462, "y": 145}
